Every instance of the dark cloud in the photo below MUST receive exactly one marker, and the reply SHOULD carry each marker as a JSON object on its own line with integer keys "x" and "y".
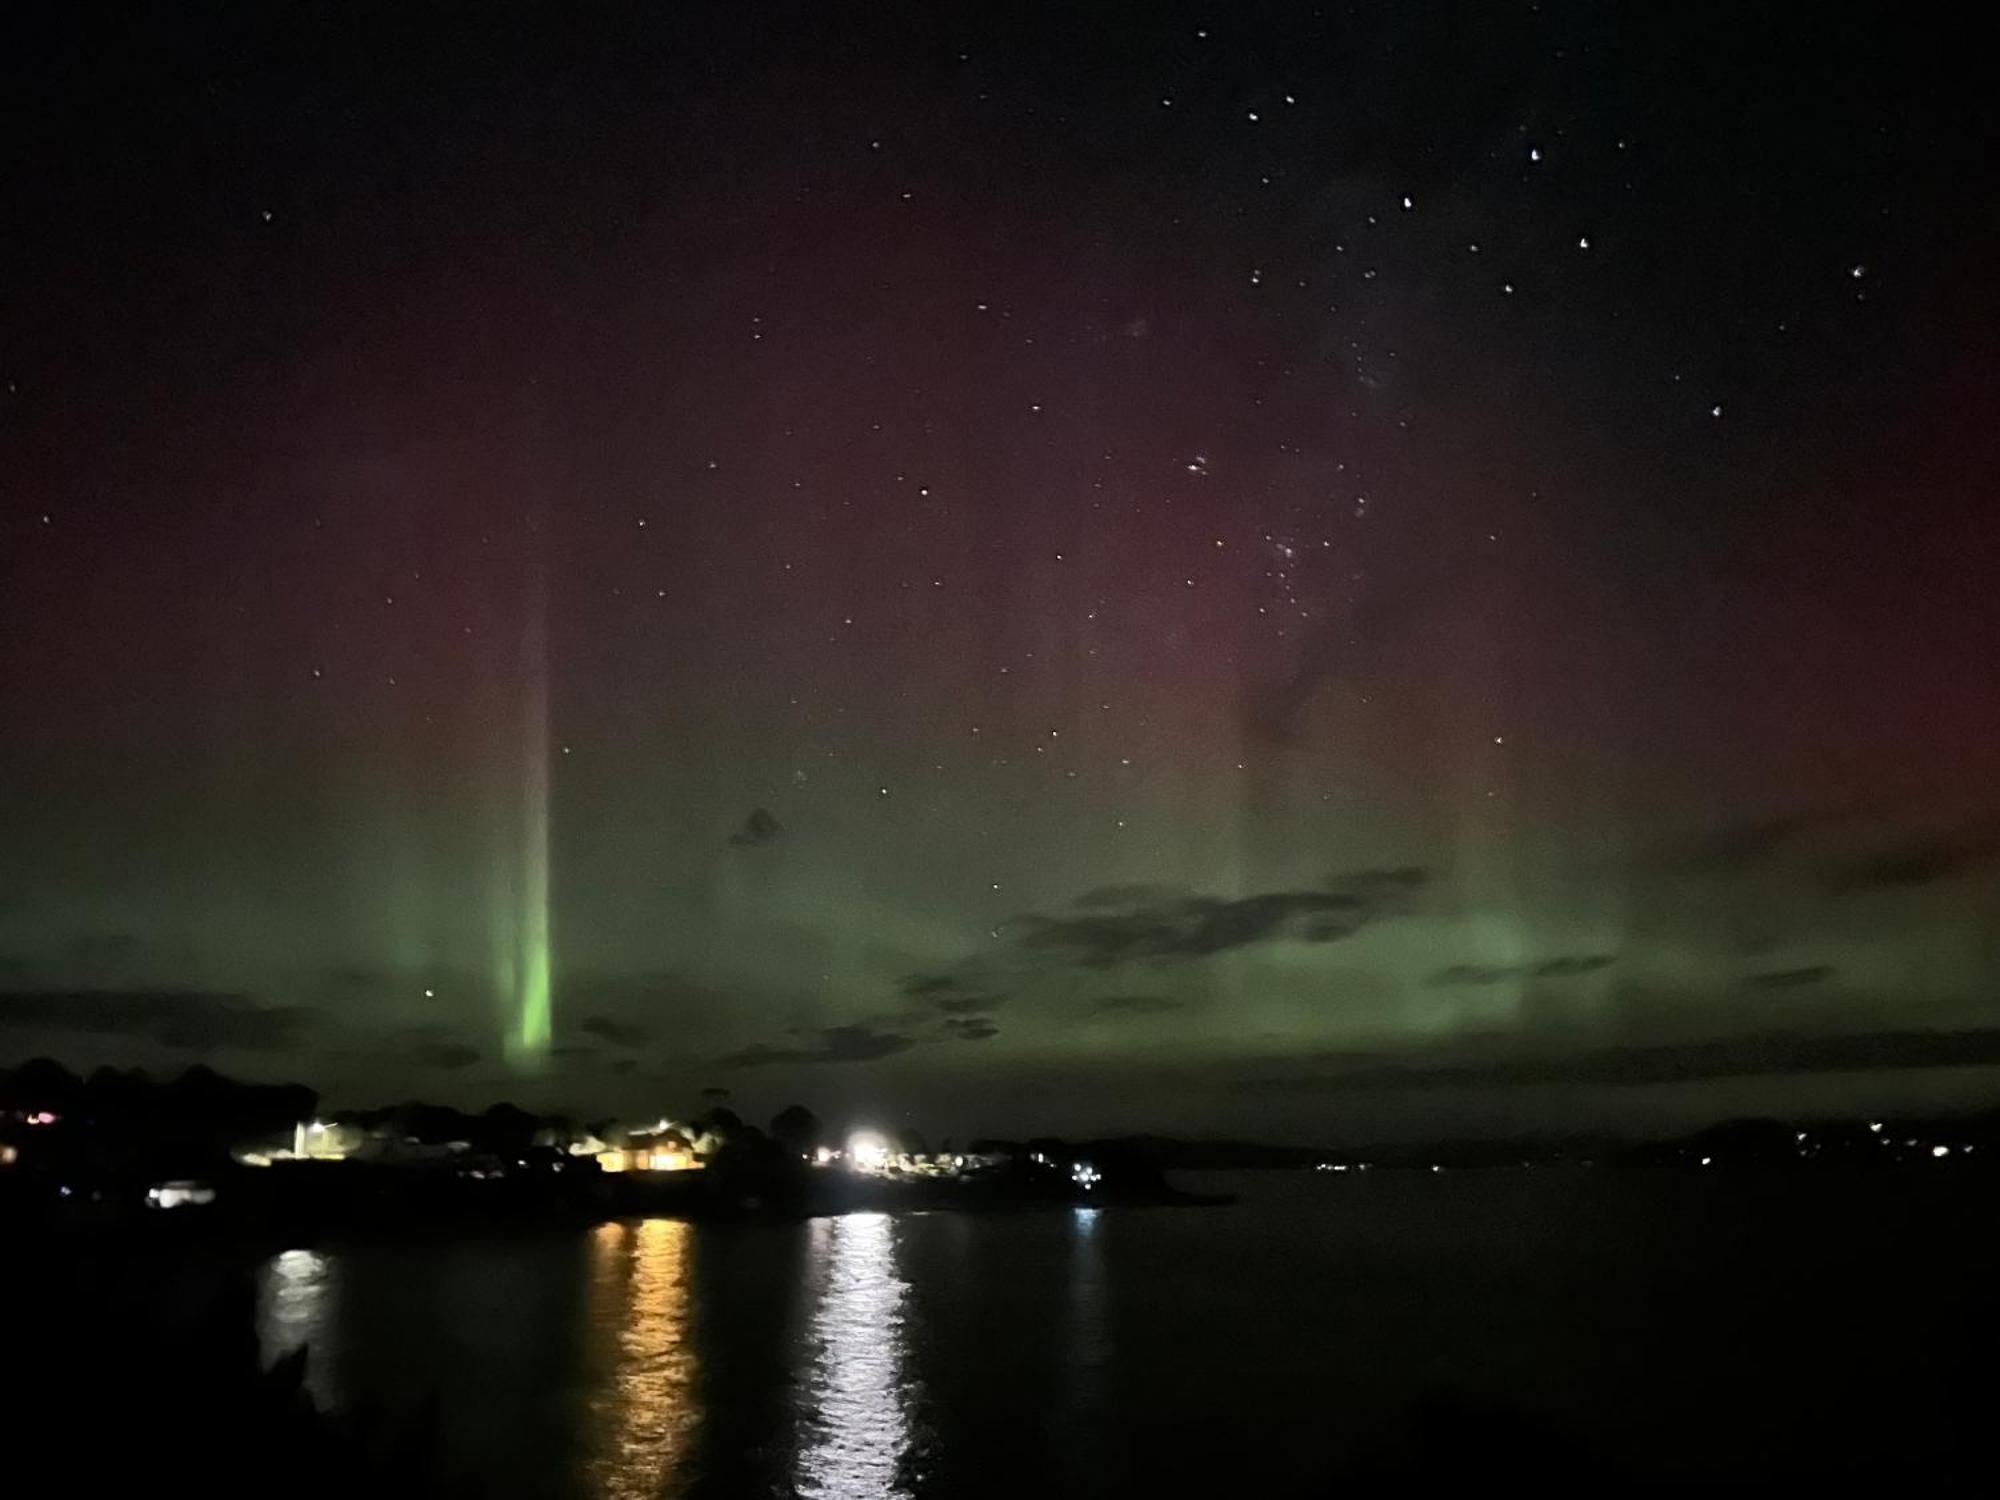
{"x": 182, "y": 1019}
{"x": 1921, "y": 863}
{"x": 445, "y": 1055}
{"x": 618, "y": 1033}
{"x": 866, "y": 1041}
{"x": 1565, "y": 966}
{"x": 1571, "y": 965}
{"x": 1115, "y": 925}
{"x": 1790, "y": 979}
{"x": 1190, "y": 928}
{"x": 831, "y": 1044}
{"x": 969, "y": 1028}
{"x": 1765, "y": 1053}
{"x": 1134, "y": 1005}
{"x": 574, "y": 1053}
{"x": 962, "y": 1005}
{"x": 658, "y": 994}
{"x": 947, "y": 995}
{"x": 759, "y": 828}
{"x": 1465, "y": 974}
{"x": 1736, "y": 847}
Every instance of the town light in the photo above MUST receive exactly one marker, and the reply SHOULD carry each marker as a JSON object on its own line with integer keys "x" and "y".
{"x": 1085, "y": 1175}
{"x": 180, "y": 1195}
{"x": 868, "y": 1151}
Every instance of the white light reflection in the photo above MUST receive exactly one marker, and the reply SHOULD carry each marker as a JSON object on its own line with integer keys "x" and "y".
{"x": 645, "y": 1416}
{"x": 857, "y": 1426}
{"x": 295, "y": 1308}
{"x": 1089, "y": 1336}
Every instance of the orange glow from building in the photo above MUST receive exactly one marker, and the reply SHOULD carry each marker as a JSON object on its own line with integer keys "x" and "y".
{"x": 646, "y": 1413}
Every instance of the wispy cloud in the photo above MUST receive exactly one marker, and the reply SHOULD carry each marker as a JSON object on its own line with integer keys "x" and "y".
{"x": 1921, "y": 862}
{"x": 1763, "y": 1053}
{"x": 1134, "y": 1005}
{"x": 1790, "y": 979}
{"x": 758, "y": 828}
{"x": 1136, "y": 925}
{"x": 624, "y": 1034}
{"x": 831, "y": 1044}
{"x": 1564, "y": 966}
{"x": 181, "y": 1019}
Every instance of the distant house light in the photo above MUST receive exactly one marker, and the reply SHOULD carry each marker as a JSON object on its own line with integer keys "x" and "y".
{"x": 180, "y": 1195}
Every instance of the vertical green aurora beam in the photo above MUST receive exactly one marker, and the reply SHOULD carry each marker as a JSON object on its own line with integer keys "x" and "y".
{"x": 528, "y": 1039}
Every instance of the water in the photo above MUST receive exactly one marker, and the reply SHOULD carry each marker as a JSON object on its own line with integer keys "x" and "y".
{"x": 1683, "y": 1324}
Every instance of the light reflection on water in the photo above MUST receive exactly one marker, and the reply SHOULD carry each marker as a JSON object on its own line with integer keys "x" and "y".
{"x": 297, "y": 1293}
{"x": 855, "y": 1406}
{"x": 644, "y": 1413}
{"x": 1088, "y": 1357}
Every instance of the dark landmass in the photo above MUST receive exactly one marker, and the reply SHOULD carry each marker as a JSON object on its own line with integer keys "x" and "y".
{"x": 96, "y": 1153}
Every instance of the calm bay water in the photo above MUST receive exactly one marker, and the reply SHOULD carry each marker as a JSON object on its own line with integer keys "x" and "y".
{"x": 1675, "y": 1324}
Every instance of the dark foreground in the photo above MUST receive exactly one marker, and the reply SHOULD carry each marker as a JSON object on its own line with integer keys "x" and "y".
{"x": 1566, "y": 1330}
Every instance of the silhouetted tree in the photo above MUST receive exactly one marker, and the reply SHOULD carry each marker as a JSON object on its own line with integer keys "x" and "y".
{"x": 722, "y": 1121}
{"x": 506, "y": 1127}
{"x": 797, "y": 1127}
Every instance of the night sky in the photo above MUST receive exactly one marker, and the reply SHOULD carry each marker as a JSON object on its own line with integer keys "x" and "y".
{"x": 1390, "y": 569}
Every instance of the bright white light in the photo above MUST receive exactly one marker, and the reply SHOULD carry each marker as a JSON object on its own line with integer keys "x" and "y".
{"x": 1876, "y": 1126}
{"x": 295, "y": 1295}
{"x": 854, "y": 1392}
{"x": 1085, "y": 1175}
{"x": 1706, "y": 1160}
{"x": 1940, "y": 1151}
{"x": 180, "y": 1195}
{"x": 868, "y": 1151}
{"x": 822, "y": 1155}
